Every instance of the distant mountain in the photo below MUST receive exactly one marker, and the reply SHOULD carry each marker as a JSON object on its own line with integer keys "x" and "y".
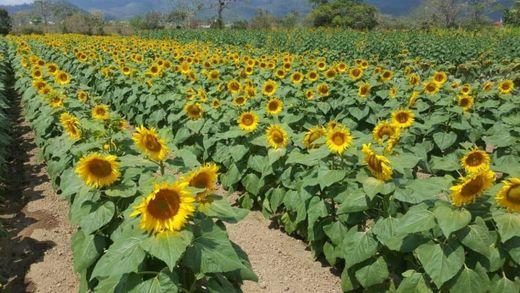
{"x": 242, "y": 9}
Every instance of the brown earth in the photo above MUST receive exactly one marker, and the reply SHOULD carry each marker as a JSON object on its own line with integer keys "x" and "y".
{"x": 36, "y": 255}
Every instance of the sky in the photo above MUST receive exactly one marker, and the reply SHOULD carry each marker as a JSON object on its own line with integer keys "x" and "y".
{"x": 14, "y": 2}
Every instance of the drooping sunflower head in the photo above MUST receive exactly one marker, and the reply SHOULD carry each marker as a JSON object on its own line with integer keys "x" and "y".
{"x": 364, "y": 89}
{"x": 509, "y": 195}
{"x": 506, "y": 86}
{"x": 378, "y": 165}
{"x": 194, "y": 110}
{"x": 413, "y": 98}
{"x": 269, "y": 88}
{"x": 70, "y": 124}
{"x": 248, "y": 121}
{"x": 167, "y": 208}
{"x": 312, "y": 135}
{"x": 471, "y": 187}
{"x": 475, "y": 160}
{"x": 150, "y": 143}
{"x": 323, "y": 89}
{"x": 97, "y": 170}
{"x": 276, "y": 136}
{"x": 204, "y": 177}
{"x": 414, "y": 79}
{"x": 440, "y": 77}
{"x": 274, "y": 106}
{"x": 465, "y": 102}
{"x": 101, "y": 112}
{"x": 385, "y": 130}
{"x": 403, "y": 118}
{"x": 215, "y": 104}
{"x": 487, "y": 86}
{"x": 339, "y": 139}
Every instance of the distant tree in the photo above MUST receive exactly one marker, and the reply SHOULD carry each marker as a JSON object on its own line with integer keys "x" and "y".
{"x": 512, "y": 15}
{"x": 240, "y": 24}
{"x": 262, "y": 20}
{"x": 478, "y": 11}
{"x": 5, "y": 22}
{"x": 221, "y": 5}
{"x": 149, "y": 21}
{"x": 177, "y": 17}
{"x": 290, "y": 20}
{"x": 442, "y": 13}
{"x": 183, "y": 11}
{"x": 345, "y": 13}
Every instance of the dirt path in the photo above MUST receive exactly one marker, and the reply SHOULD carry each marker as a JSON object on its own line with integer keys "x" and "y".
{"x": 281, "y": 262}
{"x": 36, "y": 255}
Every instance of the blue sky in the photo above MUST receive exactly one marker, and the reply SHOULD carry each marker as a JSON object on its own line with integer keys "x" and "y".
{"x": 14, "y": 2}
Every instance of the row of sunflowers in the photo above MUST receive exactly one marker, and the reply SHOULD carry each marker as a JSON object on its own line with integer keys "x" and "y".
{"x": 5, "y": 135}
{"x": 401, "y": 173}
{"x": 144, "y": 225}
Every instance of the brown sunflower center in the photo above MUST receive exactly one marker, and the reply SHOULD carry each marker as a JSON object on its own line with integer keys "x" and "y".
{"x": 194, "y": 110}
{"x": 474, "y": 159}
{"x": 100, "y": 168}
{"x": 240, "y": 100}
{"x": 473, "y": 187}
{"x": 364, "y": 90}
{"x": 386, "y": 131}
{"x": 464, "y": 102}
{"x": 152, "y": 143}
{"x": 100, "y": 111}
{"x": 356, "y": 72}
{"x": 402, "y": 117}
{"x": 439, "y": 77}
{"x": 269, "y": 88}
{"x": 201, "y": 180}
{"x": 505, "y": 86}
{"x": 430, "y": 87}
{"x": 513, "y": 194}
{"x": 165, "y": 205}
{"x": 314, "y": 136}
{"x": 375, "y": 164}
{"x": 247, "y": 120}
{"x": 277, "y": 136}
{"x": 338, "y": 138}
{"x": 273, "y": 106}
{"x": 235, "y": 86}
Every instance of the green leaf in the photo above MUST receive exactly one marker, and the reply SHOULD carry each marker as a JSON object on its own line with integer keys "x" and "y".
{"x": 212, "y": 252}
{"x": 231, "y": 177}
{"x": 122, "y": 189}
{"x": 507, "y": 224}
{"x": 220, "y": 208}
{"x": 100, "y": 214}
{"x": 86, "y": 249}
{"x": 168, "y": 246}
{"x": 372, "y": 274}
{"x": 417, "y": 219}
{"x": 315, "y": 211}
{"x": 420, "y": 190}
{"x": 476, "y": 237}
{"x": 336, "y": 231}
{"x": 372, "y": 186}
{"x": 252, "y": 183}
{"x": 413, "y": 282}
{"x": 451, "y": 219}
{"x": 355, "y": 201}
{"x": 359, "y": 247}
{"x": 330, "y": 177}
{"x": 444, "y": 139}
{"x": 504, "y": 285}
{"x": 469, "y": 280}
{"x": 123, "y": 256}
{"x": 164, "y": 282}
{"x": 441, "y": 263}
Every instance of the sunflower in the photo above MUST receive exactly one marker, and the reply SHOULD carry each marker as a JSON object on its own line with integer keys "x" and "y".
{"x": 378, "y": 165}
{"x": 215, "y": 104}
{"x": 339, "y": 139}
{"x": 403, "y": 118}
{"x": 471, "y": 187}
{"x": 313, "y": 76}
{"x": 341, "y": 67}
{"x": 466, "y": 89}
{"x": 487, "y": 86}
{"x": 280, "y": 73}
{"x": 167, "y": 208}
{"x": 506, "y": 87}
{"x": 312, "y": 135}
{"x": 309, "y": 94}
{"x": 465, "y": 102}
{"x": 56, "y": 101}
{"x": 154, "y": 70}
{"x": 62, "y": 78}
{"x": 364, "y": 89}
{"x": 414, "y": 79}
{"x": 100, "y": 112}
{"x": 82, "y": 96}
{"x": 204, "y": 177}
{"x": 150, "y": 143}
{"x": 431, "y": 88}
{"x": 234, "y": 87}
{"x": 71, "y": 125}
{"x": 440, "y": 77}
{"x": 52, "y": 68}
{"x": 248, "y": 121}
{"x": 387, "y": 75}
{"x": 269, "y": 88}
{"x": 323, "y": 89}
{"x": 331, "y": 73}
{"x": 413, "y": 98}
{"x": 297, "y": 77}
{"x": 213, "y": 75}
{"x": 276, "y": 136}
{"x": 355, "y": 73}
{"x": 97, "y": 170}
{"x": 332, "y": 124}
{"x": 274, "y": 106}
{"x": 475, "y": 160}
{"x": 385, "y": 130}
{"x": 509, "y": 195}
{"x": 194, "y": 111}
{"x": 37, "y": 73}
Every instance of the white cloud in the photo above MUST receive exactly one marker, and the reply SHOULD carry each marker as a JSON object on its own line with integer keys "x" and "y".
{"x": 14, "y": 2}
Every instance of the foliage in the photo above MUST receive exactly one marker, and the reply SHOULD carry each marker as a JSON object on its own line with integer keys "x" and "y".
{"x": 5, "y": 138}
{"x": 512, "y": 15}
{"x": 376, "y": 194}
{"x": 5, "y": 22}
{"x": 344, "y": 14}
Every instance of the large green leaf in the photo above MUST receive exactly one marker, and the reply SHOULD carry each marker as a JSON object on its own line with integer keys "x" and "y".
{"x": 100, "y": 214}
{"x": 451, "y": 219}
{"x": 163, "y": 282}
{"x": 168, "y": 246}
{"x": 441, "y": 261}
{"x": 507, "y": 224}
{"x": 359, "y": 247}
{"x": 417, "y": 219}
{"x": 86, "y": 249}
{"x": 444, "y": 139}
{"x": 413, "y": 282}
{"x": 373, "y": 273}
{"x": 420, "y": 190}
{"x": 469, "y": 280}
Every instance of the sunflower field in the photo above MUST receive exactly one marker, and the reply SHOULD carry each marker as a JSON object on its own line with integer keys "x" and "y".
{"x": 5, "y": 139}
{"x": 399, "y": 168}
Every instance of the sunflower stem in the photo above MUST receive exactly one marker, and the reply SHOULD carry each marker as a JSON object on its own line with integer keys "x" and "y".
{"x": 161, "y": 165}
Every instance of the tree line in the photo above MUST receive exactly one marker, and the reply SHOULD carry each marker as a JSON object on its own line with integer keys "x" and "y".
{"x": 60, "y": 17}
